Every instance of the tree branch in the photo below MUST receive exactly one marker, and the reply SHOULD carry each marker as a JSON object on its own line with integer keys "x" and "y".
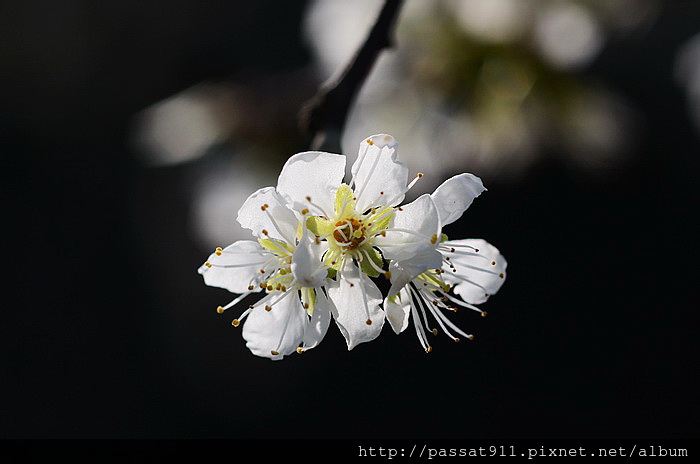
{"x": 323, "y": 117}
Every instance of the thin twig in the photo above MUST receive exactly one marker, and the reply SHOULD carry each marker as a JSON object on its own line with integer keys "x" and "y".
{"x": 323, "y": 117}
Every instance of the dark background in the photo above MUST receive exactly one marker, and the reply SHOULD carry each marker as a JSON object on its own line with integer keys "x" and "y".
{"x": 109, "y": 331}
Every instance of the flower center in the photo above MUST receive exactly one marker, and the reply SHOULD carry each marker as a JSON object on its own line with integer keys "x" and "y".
{"x": 349, "y": 233}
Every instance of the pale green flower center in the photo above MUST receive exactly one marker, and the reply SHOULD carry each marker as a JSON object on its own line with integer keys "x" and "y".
{"x": 350, "y": 233}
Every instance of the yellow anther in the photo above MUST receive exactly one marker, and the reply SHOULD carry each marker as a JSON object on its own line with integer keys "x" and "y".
{"x": 250, "y": 287}
{"x": 308, "y": 198}
{"x": 387, "y": 275}
{"x": 369, "y": 141}
{"x": 306, "y": 305}
{"x": 305, "y": 211}
{"x": 435, "y": 331}
{"x": 501, "y": 275}
{"x": 483, "y": 313}
{"x": 274, "y": 353}
{"x": 264, "y": 232}
{"x": 420, "y": 174}
{"x": 300, "y": 350}
{"x": 219, "y": 309}
{"x": 456, "y": 339}
{"x": 470, "y": 337}
{"x": 493, "y": 263}
{"x": 268, "y": 308}
{"x": 235, "y": 322}
{"x": 368, "y": 322}
{"x": 429, "y": 349}
{"x": 433, "y": 240}
{"x": 218, "y": 251}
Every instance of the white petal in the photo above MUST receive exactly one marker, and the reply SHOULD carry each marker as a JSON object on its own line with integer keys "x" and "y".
{"x": 279, "y": 330}
{"x": 312, "y": 174}
{"x": 356, "y": 302}
{"x": 402, "y": 272}
{"x": 417, "y": 227}
{"x": 318, "y": 325}
{"x": 307, "y": 267}
{"x": 455, "y": 195}
{"x": 276, "y": 219}
{"x": 237, "y": 267}
{"x": 476, "y": 278}
{"x": 378, "y": 174}
{"x": 397, "y": 312}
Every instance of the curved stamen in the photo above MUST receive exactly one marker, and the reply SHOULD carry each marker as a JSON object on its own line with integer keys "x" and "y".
{"x": 460, "y": 245}
{"x": 318, "y": 208}
{"x": 434, "y": 309}
{"x": 265, "y": 208}
{"x": 360, "y": 161}
{"x": 286, "y": 323}
{"x": 419, "y": 298}
{"x": 407, "y": 231}
{"x": 372, "y": 263}
{"x": 236, "y": 322}
{"x": 406, "y": 189}
{"x": 452, "y": 326}
{"x": 235, "y": 301}
{"x": 229, "y": 266}
{"x": 459, "y": 302}
{"x": 464, "y": 279}
{"x": 418, "y": 325}
{"x": 372, "y": 169}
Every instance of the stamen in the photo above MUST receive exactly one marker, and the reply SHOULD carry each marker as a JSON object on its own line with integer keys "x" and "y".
{"x": 461, "y": 245}
{"x": 286, "y": 324}
{"x": 221, "y": 309}
{"x": 230, "y": 266}
{"x": 265, "y": 208}
{"x": 464, "y": 279}
{"x": 318, "y": 208}
{"x": 460, "y": 302}
{"x": 406, "y": 231}
{"x": 435, "y": 311}
{"x": 358, "y": 194}
{"x": 372, "y": 263}
{"x": 360, "y": 162}
{"x": 237, "y": 322}
{"x": 417, "y": 296}
{"x": 406, "y": 189}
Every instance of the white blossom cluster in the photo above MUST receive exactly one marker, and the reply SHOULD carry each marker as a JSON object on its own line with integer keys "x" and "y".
{"x": 320, "y": 242}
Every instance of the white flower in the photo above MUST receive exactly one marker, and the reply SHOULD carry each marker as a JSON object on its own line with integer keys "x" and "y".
{"x": 295, "y": 312}
{"x": 321, "y": 241}
{"x": 351, "y": 218}
{"x": 471, "y": 268}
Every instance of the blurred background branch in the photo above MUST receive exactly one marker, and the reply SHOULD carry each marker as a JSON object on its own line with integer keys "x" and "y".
{"x": 324, "y": 116}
